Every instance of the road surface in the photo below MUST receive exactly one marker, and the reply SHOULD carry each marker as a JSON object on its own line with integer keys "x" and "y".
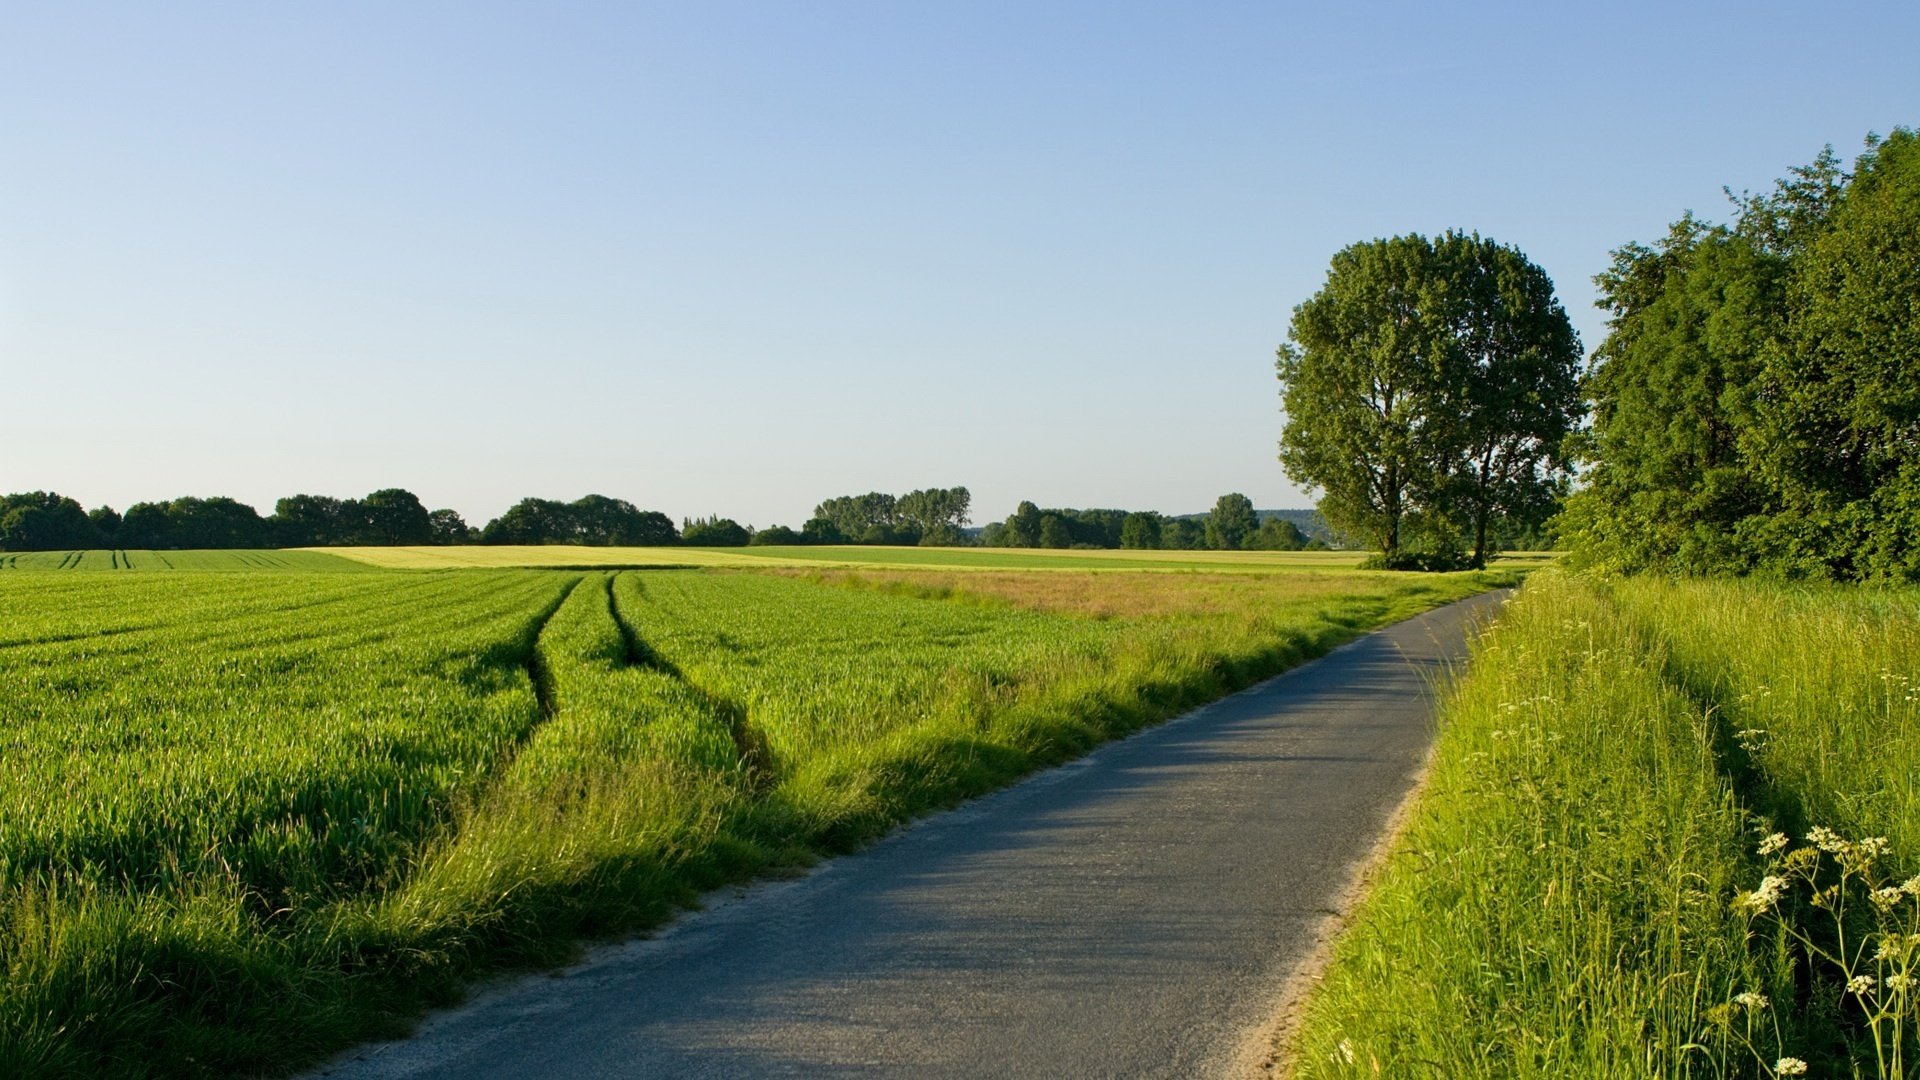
{"x": 1135, "y": 913}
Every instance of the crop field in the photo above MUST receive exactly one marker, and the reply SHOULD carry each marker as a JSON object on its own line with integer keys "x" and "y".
{"x": 1674, "y": 828}
{"x": 438, "y": 558}
{"x": 251, "y": 817}
{"x": 112, "y": 559}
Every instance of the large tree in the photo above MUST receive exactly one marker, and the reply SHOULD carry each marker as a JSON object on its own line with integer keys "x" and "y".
{"x": 1515, "y": 377}
{"x": 1431, "y": 382}
{"x": 1363, "y": 377}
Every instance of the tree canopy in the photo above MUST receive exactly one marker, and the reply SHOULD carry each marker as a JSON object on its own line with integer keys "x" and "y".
{"x": 1757, "y": 399}
{"x": 1429, "y": 388}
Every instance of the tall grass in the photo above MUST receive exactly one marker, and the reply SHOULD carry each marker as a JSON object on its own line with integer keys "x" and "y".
{"x": 1616, "y": 869}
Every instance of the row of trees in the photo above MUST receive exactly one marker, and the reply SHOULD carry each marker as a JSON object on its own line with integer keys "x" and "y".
{"x": 47, "y": 521}
{"x": 1756, "y": 403}
{"x": 1233, "y": 525}
{"x": 592, "y": 520}
{"x": 1430, "y": 387}
{"x": 930, "y": 516}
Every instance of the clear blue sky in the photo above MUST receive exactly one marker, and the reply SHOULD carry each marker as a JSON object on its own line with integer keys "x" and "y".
{"x": 733, "y": 258}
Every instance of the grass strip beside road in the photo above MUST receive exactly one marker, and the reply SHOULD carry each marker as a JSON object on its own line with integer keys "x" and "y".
{"x": 1580, "y": 890}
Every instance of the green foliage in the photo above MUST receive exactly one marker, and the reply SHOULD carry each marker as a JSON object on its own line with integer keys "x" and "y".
{"x": 1432, "y": 378}
{"x": 777, "y": 534}
{"x": 1232, "y": 523}
{"x": 930, "y": 516}
{"x": 1757, "y": 400}
{"x": 44, "y": 521}
{"x": 591, "y": 520}
{"x": 821, "y": 530}
{"x": 1276, "y": 534}
{"x": 1182, "y": 534}
{"x": 714, "y": 532}
{"x": 1054, "y": 532}
{"x": 1028, "y": 527}
{"x": 1140, "y": 531}
{"x": 447, "y": 527}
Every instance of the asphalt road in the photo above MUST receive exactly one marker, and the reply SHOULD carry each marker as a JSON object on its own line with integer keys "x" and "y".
{"x": 1135, "y": 913}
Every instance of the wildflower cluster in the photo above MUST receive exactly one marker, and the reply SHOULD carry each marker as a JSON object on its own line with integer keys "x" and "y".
{"x": 1870, "y": 949}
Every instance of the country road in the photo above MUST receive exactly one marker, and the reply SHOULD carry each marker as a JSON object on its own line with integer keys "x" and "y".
{"x": 1135, "y": 913}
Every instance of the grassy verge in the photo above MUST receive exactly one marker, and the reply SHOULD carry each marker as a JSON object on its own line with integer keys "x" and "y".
{"x": 1664, "y": 836}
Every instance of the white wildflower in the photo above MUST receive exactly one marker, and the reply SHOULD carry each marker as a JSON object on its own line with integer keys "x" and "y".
{"x": 1887, "y": 897}
{"x": 1768, "y": 894}
{"x": 1751, "y": 1001}
{"x": 1861, "y": 985}
{"x": 1773, "y": 843}
{"x": 1346, "y": 1050}
{"x": 1790, "y": 1066}
{"x": 1899, "y": 983}
{"x": 1826, "y": 840}
{"x": 1911, "y": 886}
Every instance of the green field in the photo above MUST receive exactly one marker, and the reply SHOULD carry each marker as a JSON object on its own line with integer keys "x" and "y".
{"x": 114, "y": 559}
{"x": 1580, "y": 890}
{"x": 439, "y": 558}
{"x": 251, "y": 817}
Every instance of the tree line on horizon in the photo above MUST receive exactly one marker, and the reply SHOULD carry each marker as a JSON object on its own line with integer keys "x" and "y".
{"x": 48, "y": 521}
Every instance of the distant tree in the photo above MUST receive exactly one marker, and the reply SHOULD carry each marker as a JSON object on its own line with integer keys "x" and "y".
{"x": 189, "y": 522}
{"x": 890, "y": 535}
{"x": 531, "y": 521}
{"x": 1054, "y": 532}
{"x": 937, "y": 514}
{"x": 994, "y": 535}
{"x": 394, "y": 516}
{"x": 714, "y": 532}
{"x": 604, "y": 522}
{"x": 853, "y": 515}
{"x": 1023, "y": 526}
{"x": 1276, "y": 534}
{"x": 146, "y": 525}
{"x": 449, "y": 528}
{"x": 106, "y": 524}
{"x": 1232, "y": 522}
{"x": 776, "y": 534}
{"x": 821, "y": 530}
{"x": 315, "y": 521}
{"x": 1181, "y": 534}
{"x": 1140, "y": 530}
{"x": 1095, "y": 527}
{"x": 43, "y": 521}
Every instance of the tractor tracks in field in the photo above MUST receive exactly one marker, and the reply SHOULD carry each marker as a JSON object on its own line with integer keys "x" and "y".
{"x": 749, "y": 744}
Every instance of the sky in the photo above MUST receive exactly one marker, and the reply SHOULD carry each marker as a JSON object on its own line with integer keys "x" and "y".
{"x": 736, "y": 258}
